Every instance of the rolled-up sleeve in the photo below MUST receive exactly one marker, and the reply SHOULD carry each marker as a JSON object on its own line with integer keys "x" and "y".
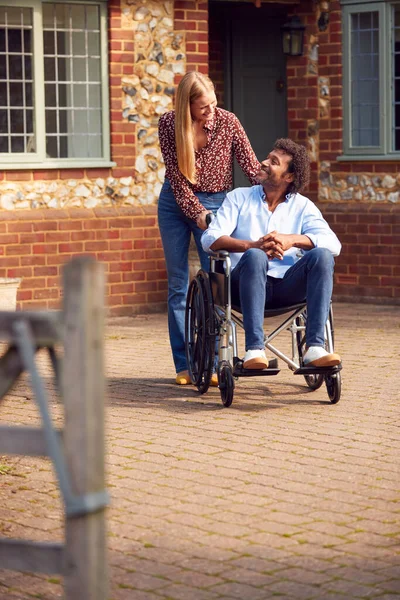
{"x": 224, "y": 223}
{"x": 317, "y": 229}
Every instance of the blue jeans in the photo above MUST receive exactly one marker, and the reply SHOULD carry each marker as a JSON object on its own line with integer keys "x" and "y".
{"x": 175, "y": 230}
{"x": 310, "y": 279}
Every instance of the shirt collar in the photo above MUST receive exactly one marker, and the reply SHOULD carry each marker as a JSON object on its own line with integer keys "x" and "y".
{"x": 210, "y": 125}
{"x": 287, "y": 197}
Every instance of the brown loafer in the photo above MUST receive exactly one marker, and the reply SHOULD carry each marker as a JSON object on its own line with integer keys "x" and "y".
{"x": 317, "y": 356}
{"x": 329, "y": 360}
{"x": 255, "y": 359}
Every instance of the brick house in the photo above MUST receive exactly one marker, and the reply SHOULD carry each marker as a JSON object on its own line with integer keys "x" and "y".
{"x": 83, "y": 83}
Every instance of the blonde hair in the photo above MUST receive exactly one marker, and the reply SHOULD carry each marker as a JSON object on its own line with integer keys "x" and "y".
{"x": 192, "y": 86}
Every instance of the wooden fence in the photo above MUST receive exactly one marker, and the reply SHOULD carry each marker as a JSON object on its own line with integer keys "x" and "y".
{"x": 77, "y": 451}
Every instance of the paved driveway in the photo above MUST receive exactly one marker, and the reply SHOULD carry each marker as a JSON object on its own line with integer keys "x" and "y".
{"x": 281, "y": 496}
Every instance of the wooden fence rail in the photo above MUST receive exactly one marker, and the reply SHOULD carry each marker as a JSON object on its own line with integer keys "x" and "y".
{"x": 77, "y": 452}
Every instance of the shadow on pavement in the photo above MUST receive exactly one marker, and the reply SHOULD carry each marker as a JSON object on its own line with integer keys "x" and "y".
{"x": 138, "y": 392}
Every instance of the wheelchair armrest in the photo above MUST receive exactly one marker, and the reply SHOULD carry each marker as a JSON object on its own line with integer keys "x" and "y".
{"x": 220, "y": 254}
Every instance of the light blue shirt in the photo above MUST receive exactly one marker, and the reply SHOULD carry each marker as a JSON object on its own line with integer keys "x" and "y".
{"x": 244, "y": 215}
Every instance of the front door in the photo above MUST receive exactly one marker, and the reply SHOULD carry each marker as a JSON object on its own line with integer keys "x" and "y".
{"x": 255, "y": 75}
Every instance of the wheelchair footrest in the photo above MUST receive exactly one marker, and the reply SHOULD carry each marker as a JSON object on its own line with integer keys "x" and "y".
{"x": 318, "y": 370}
{"x": 239, "y": 371}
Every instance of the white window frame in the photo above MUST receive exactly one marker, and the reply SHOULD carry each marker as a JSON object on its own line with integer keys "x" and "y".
{"x": 38, "y": 159}
{"x": 384, "y": 151}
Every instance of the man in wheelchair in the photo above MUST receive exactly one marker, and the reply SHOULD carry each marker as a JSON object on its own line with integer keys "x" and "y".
{"x": 282, "y": 252}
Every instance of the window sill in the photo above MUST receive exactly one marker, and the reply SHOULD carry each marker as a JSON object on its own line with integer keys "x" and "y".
{"x": 61, "y": 166}
{"x": 368, "y": 158}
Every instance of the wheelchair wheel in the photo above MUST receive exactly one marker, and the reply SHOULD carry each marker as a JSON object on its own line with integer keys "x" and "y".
{"x": 334, "y": 387}
{"x": 200, "y": 332}
{"x": 314, "y": 382}
{"x": 226, "y": 382}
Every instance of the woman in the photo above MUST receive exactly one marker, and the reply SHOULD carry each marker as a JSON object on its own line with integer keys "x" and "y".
{"x": 198, "y": 142}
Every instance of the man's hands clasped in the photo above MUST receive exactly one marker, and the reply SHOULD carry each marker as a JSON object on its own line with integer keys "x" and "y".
{"x": 275, "y": 244}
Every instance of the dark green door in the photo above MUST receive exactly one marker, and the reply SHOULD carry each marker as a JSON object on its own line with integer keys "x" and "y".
{"x": 255, "y": 76}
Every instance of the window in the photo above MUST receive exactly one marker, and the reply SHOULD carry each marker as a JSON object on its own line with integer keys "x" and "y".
{"x": 53, "y": 84}
{"x": 371, "y": 78}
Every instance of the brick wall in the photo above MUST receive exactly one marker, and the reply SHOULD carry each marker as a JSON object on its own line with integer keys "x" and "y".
{"x": 121, "y": 64}
{"x": 35, "y": 244}
{"x": 191, "y": 19}
{"x": 330, "y": 66}
{"x": 368, "y": 268}
{"x": 302, "y": 91}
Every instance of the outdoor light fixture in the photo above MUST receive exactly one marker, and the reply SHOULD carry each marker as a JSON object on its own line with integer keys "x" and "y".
{"x": 293, "y": 37}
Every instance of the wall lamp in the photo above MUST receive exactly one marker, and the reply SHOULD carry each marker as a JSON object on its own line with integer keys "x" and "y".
{"x": 293, "y": 37}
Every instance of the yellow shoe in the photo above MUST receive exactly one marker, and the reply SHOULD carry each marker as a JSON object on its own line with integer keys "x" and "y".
{"x": 183, "y": 378}
{"x": 214, "y": 380}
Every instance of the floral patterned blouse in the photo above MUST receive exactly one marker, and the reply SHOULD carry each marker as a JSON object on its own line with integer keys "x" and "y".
{"x": 214, "y": 162}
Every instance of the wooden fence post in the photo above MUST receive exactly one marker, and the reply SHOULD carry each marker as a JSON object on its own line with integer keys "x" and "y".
{"x": 83, "y": 387}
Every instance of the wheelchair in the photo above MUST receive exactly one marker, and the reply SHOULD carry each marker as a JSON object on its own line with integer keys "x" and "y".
{"x": 210, "y": 316}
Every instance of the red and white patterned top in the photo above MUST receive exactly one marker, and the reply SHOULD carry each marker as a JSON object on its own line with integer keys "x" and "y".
{"x": 214, "y": 162}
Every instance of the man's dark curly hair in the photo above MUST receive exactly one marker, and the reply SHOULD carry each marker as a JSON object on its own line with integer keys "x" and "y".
{"x": 299, "y": 165}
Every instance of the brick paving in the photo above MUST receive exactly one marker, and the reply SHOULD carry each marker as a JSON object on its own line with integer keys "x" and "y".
{"x": 281, "y": 496}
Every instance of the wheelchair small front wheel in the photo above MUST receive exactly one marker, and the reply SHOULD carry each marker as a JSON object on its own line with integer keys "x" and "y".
{"x": 334, "y": 387}
{"x": 226, "y": 382}
{"x": 314, "y": 382}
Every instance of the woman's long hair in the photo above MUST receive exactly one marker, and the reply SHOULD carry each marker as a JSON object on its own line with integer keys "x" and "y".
{"x": 192, "y": 86}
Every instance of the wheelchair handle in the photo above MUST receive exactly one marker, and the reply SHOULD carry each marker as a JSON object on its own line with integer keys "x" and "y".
{"x": 209, "y": 218}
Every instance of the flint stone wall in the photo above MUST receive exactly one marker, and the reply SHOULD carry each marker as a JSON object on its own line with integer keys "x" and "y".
{"x": 368, "y": 187}
{"x": 159, "y": 56}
